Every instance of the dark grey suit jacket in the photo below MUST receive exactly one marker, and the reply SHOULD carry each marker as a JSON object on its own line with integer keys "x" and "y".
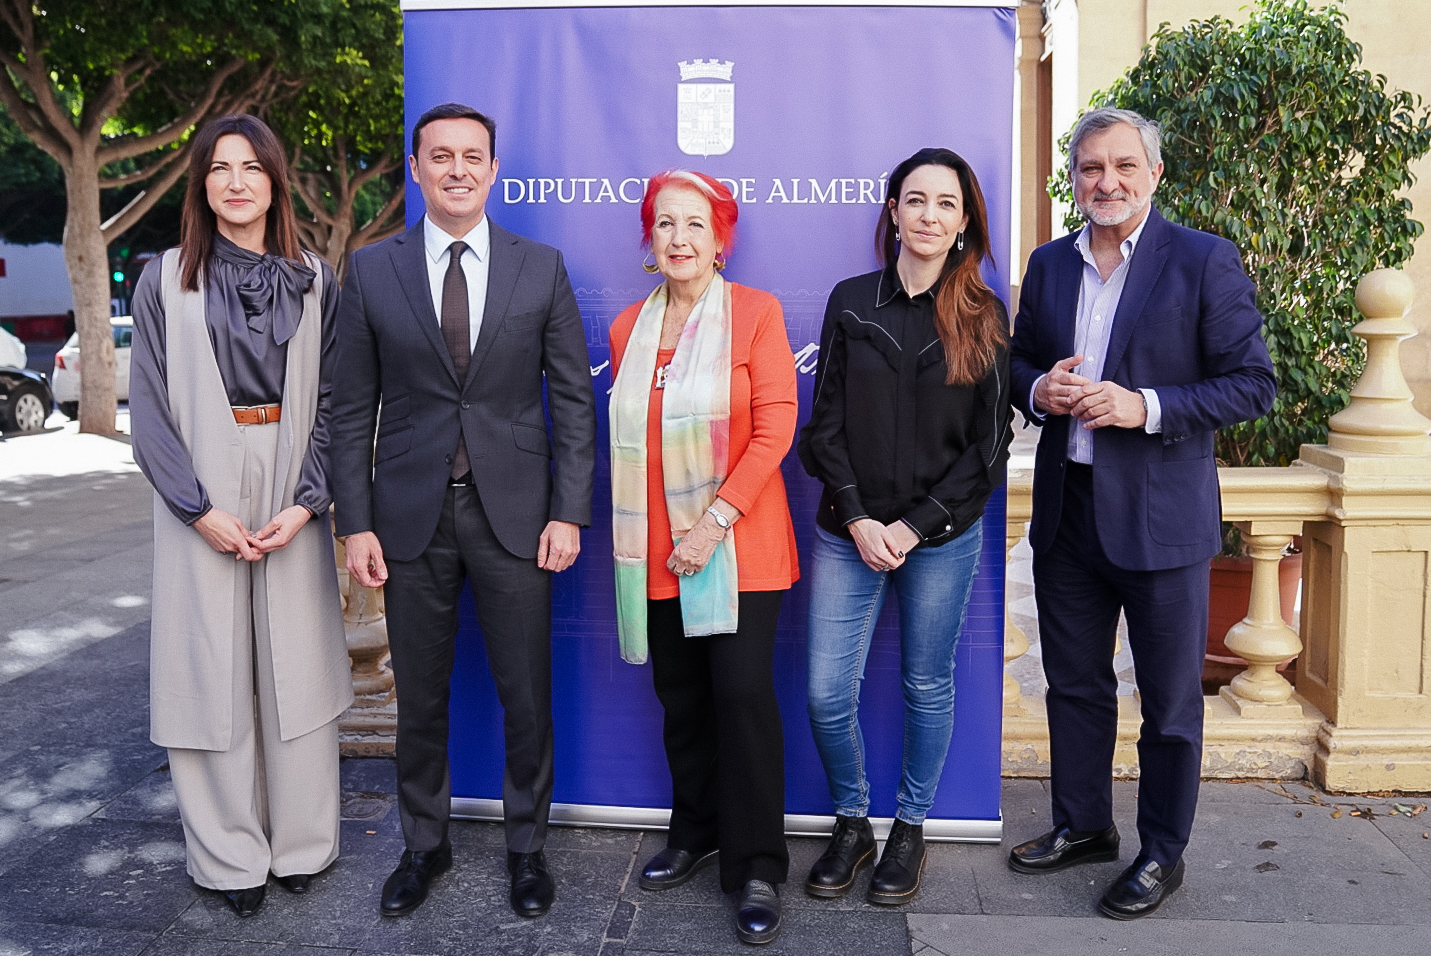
{"x": 391, "y": 355}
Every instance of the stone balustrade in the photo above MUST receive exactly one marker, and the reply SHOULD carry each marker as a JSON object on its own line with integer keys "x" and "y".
{"x": 369, "y": 727}
{"x": 1359, "y": 718}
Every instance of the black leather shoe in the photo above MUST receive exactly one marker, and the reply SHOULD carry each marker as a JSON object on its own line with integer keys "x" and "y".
{"x": 295, "y": 882}
{"x": 532, "y": 886}
{"x": 1140, "y": 890}
{"x": 896, "y": 878}
{"x": 1061, "y": 848}
{"x": 407, "y": 888}
{"x": 672, "y": 867}
{"x": 851, "y": 848}
{"x": 246, "y": 902}
{"x": 757, "y": 916}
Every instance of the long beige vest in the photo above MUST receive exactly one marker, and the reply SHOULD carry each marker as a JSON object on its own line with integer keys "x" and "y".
{"x": 196, "y": 588}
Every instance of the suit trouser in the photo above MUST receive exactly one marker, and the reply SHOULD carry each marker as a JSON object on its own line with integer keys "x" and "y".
{"x": 1079, "y": 592}
{"x": 513, "y": 598}
{"x": 723, "y": 738}
{"x": 265, "y": 804}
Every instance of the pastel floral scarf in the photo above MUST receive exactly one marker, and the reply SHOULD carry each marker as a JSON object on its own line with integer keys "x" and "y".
{"x": 695, "y": 451}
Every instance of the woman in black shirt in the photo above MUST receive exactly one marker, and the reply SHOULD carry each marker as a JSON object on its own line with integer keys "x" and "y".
{"x": 909, "y": 435}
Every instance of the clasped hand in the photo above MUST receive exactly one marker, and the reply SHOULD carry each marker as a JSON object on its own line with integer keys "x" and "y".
{"x": 226, "y": 534}
{"x": 883, "y": 546}
{"x": 1095, "y": 404}
{"x": 696, "y": 547}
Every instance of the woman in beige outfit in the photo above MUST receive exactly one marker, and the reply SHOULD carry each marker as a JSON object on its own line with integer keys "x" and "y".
{"x": 234, "y": 342}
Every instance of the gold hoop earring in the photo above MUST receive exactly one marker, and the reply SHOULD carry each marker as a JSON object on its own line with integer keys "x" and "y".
{"x": 720, "y": 264}
{"x": 650, "y": 267}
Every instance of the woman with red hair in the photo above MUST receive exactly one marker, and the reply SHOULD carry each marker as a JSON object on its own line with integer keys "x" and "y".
{"x": 703, "y": 410}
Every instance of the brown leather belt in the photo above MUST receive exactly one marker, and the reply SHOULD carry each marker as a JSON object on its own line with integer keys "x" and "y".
{"x": 258, "y": 414}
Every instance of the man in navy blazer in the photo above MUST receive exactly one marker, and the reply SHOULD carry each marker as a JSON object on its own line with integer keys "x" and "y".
{"x": 450, "y": 336}
{"x": 1136, "y": 339}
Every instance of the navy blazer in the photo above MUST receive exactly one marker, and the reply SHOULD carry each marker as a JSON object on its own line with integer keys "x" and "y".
{"x": 1187, "y": 326}
{"x": 391, "y": 352}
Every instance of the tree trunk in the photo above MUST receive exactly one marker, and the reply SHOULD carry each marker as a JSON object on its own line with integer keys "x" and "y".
{"x": 87, "y": 256}
{"x": 338, "y": 235}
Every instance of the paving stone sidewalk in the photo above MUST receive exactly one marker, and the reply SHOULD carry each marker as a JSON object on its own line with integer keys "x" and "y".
{"x": 92, "y": 859}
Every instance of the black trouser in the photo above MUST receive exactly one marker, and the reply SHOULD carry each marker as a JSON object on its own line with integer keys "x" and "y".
{"x": 723, "y": 739}
{"x": 513, "y": 598}
{"x": 1079, "y": 592}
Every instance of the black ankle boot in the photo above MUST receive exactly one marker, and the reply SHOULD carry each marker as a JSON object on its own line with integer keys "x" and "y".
{"x": 851, "y": 848}
{"x": 896, "y": 878}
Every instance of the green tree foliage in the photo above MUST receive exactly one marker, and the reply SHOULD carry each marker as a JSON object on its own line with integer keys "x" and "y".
{"x": 344, "y": 127}
{"x": 32, "y": 189}
{"x": 112, "y": 91}
{"x": 1275, "y": 138}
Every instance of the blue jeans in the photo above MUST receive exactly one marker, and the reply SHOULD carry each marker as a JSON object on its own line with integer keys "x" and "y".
{"x": 932, "y": 587}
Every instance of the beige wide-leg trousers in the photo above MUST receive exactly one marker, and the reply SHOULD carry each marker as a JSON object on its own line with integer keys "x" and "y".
{"x": 265, "y": 804}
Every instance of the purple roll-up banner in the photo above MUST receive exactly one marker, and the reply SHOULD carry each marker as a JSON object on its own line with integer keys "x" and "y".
{"x": 802, "y": 109}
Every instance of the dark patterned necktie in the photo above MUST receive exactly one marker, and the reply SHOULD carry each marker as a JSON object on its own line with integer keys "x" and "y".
{"x": 456, "y": 332}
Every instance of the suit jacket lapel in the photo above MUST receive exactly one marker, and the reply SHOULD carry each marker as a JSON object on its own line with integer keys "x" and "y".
{"x": 1070, "y": 278}
{"x": 502, "y": 272}
{"x": 409, "y": 257}
{"x": 1148, "y": 260}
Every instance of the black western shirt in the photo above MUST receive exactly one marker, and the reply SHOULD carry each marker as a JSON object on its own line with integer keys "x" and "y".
{"x": 887, "y": 438}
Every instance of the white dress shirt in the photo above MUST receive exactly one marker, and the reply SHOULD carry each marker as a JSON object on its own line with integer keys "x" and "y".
{"x": 1093, "y": 324}
{"x": 475, "y": 262}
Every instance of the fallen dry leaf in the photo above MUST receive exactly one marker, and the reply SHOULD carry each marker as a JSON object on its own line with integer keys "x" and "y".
{"x": 1266, "y": 867}
{"x": 1336, "y": 813}
{"x": 1266, "y": 844}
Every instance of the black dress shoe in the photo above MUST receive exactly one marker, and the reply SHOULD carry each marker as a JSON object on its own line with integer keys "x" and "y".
{"x": 1061, "y": 848}
{"x": 295, "y": 882}
{"x": 1140, "y": 889}
{"x": 532, "y": 886}
{"x": 672, "y": 867}
{"x": 757, "y": 916}
{"x": 896, "y": 878}
{"x": 407, "y": 888}
{"x": 851, "y": 848}
{"x": 246, "y": 902}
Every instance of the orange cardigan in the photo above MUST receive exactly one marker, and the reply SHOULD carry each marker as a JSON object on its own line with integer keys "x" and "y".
{"x": 763, "y": 409}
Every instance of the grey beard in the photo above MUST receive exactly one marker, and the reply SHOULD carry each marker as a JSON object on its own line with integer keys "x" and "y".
{"x": 1116, "y": 219}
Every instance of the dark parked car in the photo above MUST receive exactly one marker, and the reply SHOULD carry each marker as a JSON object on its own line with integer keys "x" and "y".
{"x": 25, "y": 400}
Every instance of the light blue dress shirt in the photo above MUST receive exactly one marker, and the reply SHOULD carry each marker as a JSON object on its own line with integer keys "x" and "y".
{"x": 1097, "y": 305}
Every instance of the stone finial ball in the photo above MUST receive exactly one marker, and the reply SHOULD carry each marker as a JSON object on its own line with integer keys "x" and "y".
{"x": 1384, "y": 294}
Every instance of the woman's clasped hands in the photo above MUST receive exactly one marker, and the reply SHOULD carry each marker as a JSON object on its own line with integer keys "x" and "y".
{"x": 226, "y": 534}
{"x": 883, "y": 546}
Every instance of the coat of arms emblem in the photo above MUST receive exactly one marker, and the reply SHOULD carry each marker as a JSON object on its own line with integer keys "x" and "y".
{"x": 705, "y": 108}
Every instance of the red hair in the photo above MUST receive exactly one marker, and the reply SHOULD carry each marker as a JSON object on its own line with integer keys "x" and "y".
{"x": 724, "y": 209}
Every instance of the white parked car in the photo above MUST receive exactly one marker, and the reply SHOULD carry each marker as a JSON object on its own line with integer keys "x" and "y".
{"x": 66, "y": 382}
{"x": 12, "y": 351}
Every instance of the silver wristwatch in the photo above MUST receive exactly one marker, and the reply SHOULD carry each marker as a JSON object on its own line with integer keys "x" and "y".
{"x": 720, "y": 519}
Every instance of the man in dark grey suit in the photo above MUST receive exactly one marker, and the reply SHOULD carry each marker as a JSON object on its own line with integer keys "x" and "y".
{"x": 452, "y": 329}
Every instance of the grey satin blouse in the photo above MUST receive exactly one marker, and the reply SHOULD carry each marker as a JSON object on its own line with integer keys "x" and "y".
{"x": 253, "y": 305}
